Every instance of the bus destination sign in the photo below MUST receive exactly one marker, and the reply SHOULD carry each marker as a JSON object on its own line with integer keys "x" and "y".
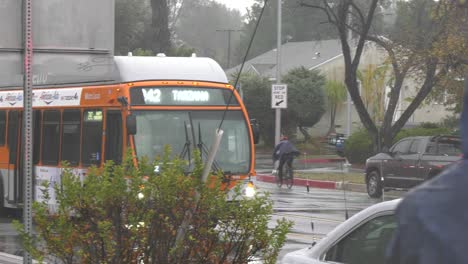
{"x": 180, "y": 96}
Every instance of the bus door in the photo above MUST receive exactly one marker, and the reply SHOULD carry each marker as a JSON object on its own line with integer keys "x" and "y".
{"x": 114, "y": 137}
{"x": 14, "y": 179}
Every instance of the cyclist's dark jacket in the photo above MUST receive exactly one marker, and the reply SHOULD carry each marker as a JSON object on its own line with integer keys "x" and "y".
{"x": 433, "y": 218}
{"x": 284, "y": 147}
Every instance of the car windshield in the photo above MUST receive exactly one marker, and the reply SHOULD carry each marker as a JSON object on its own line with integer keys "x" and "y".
{"x": 184, "y": 131}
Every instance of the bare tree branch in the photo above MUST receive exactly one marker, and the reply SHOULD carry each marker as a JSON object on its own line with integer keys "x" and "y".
{"x": 426, "y": 88}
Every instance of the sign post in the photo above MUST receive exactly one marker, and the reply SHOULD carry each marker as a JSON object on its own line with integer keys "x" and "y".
{"x": 279, "y": 100}
{"x": 279, "y": 96}
{"x": 278, "y": 75}
{"x": 27, "y": 124}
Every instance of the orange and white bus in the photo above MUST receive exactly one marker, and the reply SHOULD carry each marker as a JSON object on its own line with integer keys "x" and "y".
{"x": 155, "y": 101}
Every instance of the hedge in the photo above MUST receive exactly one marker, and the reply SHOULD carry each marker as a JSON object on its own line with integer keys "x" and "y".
{"x": 358, "y": 146}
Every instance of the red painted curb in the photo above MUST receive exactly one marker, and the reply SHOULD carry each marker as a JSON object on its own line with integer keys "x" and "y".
{"x": 300, "y": 182}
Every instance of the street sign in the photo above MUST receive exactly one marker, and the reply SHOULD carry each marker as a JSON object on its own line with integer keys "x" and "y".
{"x": 279, "y": 96}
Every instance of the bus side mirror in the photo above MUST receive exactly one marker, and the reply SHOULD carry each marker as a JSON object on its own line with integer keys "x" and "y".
{"x": 255, "y": 130}
{"x": 131, "y": 125}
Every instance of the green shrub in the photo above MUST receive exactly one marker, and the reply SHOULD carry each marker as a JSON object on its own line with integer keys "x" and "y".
{"x": 429, "y": 125}
{"x": 128, "y": 214}
{"x": 358, "y": 147}
{"x": 451, "y": 122}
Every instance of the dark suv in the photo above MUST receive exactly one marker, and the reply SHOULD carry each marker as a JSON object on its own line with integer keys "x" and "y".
{"x": 409, "y": 162}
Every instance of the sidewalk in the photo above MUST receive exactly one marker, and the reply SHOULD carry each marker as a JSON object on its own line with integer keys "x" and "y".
{"x": 317, "y": 184}
{"x": 12, "y": 259}
{"x": 312, "y": 163}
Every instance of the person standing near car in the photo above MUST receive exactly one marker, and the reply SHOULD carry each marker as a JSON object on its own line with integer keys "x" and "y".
{"x": 433, "y": 218}
{"x": 283, "y": 153}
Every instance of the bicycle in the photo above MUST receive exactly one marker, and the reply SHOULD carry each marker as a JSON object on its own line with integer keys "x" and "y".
{"x": 288, "y": 175}
{"x": 278, "y": 180}
{"x": 287, "y": 172}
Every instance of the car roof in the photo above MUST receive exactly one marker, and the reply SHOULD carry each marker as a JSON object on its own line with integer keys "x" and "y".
{"x": 307, "y": 255}
{"x": 432, "y": 137}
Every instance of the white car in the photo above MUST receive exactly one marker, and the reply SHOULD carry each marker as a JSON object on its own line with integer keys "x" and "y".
{"x": 361, "y": 239}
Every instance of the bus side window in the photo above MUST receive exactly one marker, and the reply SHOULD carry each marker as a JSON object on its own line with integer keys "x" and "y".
{"x": 92, "y": 137}
{"x": 13, "y": 125}
{"x": 71, "y": 131}
{"x": 114, "y": 136}
{"x": 51, "y": 137}
{"x": 37, "y": 117}
{"x": 2, "y": 127}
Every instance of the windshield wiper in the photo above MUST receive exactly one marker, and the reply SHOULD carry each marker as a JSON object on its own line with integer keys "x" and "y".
{"x": 204, "y": 150}
{"x": 186, "y": 149}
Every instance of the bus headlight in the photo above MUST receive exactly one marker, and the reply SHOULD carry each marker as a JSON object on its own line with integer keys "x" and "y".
{"x": 249, "y": 190}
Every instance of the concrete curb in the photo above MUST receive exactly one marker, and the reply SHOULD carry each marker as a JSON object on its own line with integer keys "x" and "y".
{"x": 13, "y": 259}
{"x": 354, "y": 187}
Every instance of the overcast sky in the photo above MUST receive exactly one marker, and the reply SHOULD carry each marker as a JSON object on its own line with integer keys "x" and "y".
{"x": 240, "y": 5}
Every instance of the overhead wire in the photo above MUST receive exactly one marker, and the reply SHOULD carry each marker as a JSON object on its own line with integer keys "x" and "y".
{"x": 243, "y": 63}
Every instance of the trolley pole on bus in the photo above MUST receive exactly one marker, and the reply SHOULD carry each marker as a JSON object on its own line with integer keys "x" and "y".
{"x": 27, "y": 122}
{"x": 206, "y": 171}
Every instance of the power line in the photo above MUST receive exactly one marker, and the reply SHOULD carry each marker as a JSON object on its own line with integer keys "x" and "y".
{"x": 243, "y": 62}
{"x": 229, "y": 32}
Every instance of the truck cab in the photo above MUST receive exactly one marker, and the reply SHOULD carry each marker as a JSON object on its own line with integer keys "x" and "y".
{"x": 411, "y": 161}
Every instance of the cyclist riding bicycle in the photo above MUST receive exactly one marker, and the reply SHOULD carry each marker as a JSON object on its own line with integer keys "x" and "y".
{"x": 284, "y": 153}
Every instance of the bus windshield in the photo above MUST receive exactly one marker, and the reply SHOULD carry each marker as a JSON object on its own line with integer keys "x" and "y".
{"x": 185, "y": 131}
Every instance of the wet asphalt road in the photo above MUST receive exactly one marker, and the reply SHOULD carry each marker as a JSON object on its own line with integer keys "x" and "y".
{"x": 325, "y": 208}
{"x": 264, "y": 164}
{"x": 9, "y": 240}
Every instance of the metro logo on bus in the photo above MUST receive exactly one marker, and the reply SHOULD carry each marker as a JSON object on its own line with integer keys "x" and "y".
{"x": 13, "y": 98}
{"x": 48, "y": 97}
{"x": 56, "y": 97}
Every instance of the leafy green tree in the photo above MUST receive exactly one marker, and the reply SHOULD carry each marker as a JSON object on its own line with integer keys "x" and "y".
{"x": 265, "y": 39}
{"x": 336, "y": 94}
{"x": 181, "y": 51}
{"x": 128, "y": 214}
{"x": 208, "y": 26}
{"x": 257, "y": 99}
{"x": 359, "y": 145}
{"x": 426, "y": 42}
{"x": 143, "y": 52}
{"x": 160, "y": 31}
{"x": 306, "y": 100}
{"x": 131, "y": 16}
{"x": 296, "y": 24}
{"x": 145, "y": 25}
{"x": 374, "y": 80}
{"x": 449, "y": 91}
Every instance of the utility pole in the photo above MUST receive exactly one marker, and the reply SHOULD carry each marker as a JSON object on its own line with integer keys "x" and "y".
{"x": 348, "y": 99}
{"x": 229, "y": 32}
{"x": 278, "y": 76}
